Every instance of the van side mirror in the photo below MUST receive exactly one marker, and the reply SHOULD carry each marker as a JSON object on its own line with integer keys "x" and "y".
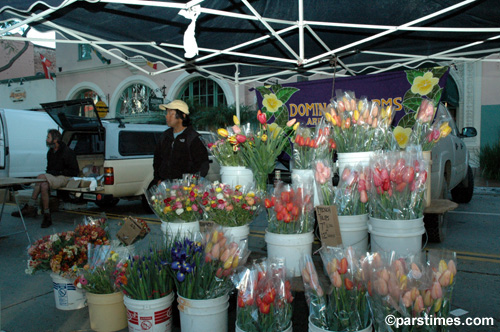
{"x": 469, "y": 132}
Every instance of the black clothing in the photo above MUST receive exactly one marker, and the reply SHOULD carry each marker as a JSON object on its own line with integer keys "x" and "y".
{"x": 62, "y": 162}
{"x": 184, "y": 154}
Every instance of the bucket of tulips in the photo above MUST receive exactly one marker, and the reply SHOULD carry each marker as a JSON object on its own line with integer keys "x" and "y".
{"x": 351, "y": 201}
{"x": 289, "y": 233}
{"x": 343, "y": 305}
{"x": 231, "y": 207}
{"x": 261, "y": 148}
{"x": 98, "y": 278}
{"x": 264, "y": 298}
{"x": 227, "y": 151}
{"x": 147, "y": 288}
{"x": 201, "y": 270}
{"x": 397, "y": 191}
{"x": 175, "y": 203}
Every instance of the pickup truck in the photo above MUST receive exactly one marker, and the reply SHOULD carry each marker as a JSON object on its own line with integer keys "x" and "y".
{"x": 450, "y": 173}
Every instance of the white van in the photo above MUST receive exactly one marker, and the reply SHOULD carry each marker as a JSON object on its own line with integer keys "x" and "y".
{"x": 23, "y": 152}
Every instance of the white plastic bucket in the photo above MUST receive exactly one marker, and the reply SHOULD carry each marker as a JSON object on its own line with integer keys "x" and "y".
{"x": 236, "y": 175}
{"x": 314, "y": 328}
{"x": 67, "y": 296}
{"x": 402, "y": 236}
{"x": 238, "y": 233}
{"x": 291, "y": 247}
{"x": 306, "y": 175}
{"x": 352, "y": 159}
{"x": 149, "y": 315}
{"x": 354, "y": 231}
{"x": 289, "y": 329}
{"x": 203, "y": 315}
{"x": 180, "y": 229}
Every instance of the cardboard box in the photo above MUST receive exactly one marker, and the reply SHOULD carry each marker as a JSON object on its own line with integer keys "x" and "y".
{"x": 85, "y": 184}
{"x": 73, "y": 184}
{"x": 130, "y": 230}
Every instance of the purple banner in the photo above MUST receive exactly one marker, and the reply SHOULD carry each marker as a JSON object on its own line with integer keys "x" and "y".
{"x": 403, "y": 90}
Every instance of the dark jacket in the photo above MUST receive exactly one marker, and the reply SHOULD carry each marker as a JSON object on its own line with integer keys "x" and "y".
{"x": 172, "y": 158}
{"x": 62, "y": 162}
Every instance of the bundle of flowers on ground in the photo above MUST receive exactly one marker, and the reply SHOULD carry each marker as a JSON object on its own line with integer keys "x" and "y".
{"x": 411, "y": 290}
{"x": 290, "y": 209}
{"x": 175, "y": 200}
{"x": 311, "y": 144}
{"x": 264, "y": 297}
{"x": 398, "y": 184}
{"x": 230, "y": 206}
{"x": 261, "y": 148}
{"x": 359, "y": 125}
{"x": 202, "y": 269}
{"x": 64, "y": 253}
{"x": 351, "y": 193}
{"x": 427, "y": 129}
{"x": 345, "y": 306}
{"x": 226, "y": 150}
{"x": 145, "y": 277}
{"x": 99, "y": 275}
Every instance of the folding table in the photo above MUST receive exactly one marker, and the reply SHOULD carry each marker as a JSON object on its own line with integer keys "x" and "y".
{"x": 10, "y": 184}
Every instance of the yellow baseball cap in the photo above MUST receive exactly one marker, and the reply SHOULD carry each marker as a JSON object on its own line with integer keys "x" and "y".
{"x": 176, "y": 105}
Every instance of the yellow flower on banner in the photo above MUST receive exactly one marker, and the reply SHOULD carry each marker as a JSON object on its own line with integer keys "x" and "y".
{"x": 424, "y": 84}
{"x": 272, "y": 103}
{"x": 402, "y": 136}
{"x": 273, "y": 126}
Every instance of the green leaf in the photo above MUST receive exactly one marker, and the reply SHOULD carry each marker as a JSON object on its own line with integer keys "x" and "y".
{"x": 263, "y": 90}
{"x": 411, "y": 74}
{"x": 435, "y": 94}
{"x": 411, "y": 101}
{"x": 282, "y": 117}
{"x": 407, "y": 121}
{"x": 439, "y": 71}
{"x": 275, "y": 87}
{"x": 284, "y": 94}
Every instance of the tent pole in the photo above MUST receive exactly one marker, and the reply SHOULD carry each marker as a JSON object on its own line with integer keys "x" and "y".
{"x": 237, "y": 89}
{"x": 301, "y": 31}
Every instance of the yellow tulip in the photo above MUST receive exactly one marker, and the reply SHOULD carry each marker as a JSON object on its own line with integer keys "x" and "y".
{"x": 222, "y": 132}
{"x": 236, "y": 120}
{"x": 437, "y": 304}
{"x": 355, "y": 116}
{"x": 228, "y": 263}
{"x": 295, "y": 126}
{"x": 328, "y": 117}
{"x": 264, "y": 138}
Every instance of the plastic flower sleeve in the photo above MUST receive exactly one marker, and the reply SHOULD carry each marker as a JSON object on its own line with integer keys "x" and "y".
{"x": 314, "y": 293}
{"x": 351, "y": 193}
{"x": 247, "y": 309}
{"x": 323, "y": 174}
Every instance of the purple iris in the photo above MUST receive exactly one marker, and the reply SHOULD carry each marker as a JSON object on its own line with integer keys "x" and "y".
{"x": 176, "y": 265}
{"x": 181, "y": 276}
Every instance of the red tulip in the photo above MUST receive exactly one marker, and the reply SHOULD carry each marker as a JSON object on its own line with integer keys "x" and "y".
{"x": 261, "y": 117}
{"x": 348, "y": 284}
{"x": 343, "y": 266}
{"x": 241, "y": 138}
{"x": 268, "y": 203}
{"x": 408, "y": 174}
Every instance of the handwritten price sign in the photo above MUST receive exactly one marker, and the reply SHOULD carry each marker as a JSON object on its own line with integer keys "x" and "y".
{"x": 328, "y": 222}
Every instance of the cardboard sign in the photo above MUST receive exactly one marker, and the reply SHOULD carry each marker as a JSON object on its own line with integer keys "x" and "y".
{"x": 129, "y": 231}
{"x": 329, "y": 228}
{"x": 73, "y": 184}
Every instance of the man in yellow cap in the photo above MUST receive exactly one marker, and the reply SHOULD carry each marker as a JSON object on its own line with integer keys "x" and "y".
{"x": 180, "y": 149}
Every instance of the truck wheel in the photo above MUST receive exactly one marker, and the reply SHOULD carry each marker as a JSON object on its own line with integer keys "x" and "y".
{"x": 465, "y": 189}
{"x": 435, "y": 227}
{"x": 107, "y": 204}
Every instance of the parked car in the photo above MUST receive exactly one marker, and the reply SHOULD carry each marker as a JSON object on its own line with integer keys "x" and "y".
{"x": 118, "y": 155}
{"x": 450, "y": 171}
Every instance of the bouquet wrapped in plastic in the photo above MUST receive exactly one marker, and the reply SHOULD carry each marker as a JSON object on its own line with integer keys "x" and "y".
{"x": 99, "y": 275}
{"x": 290, "y": 209}
{"x": 351, "y": 193}
{"x": 226, "y": 150}
{"x": 146, "y": 276}
{"x": 311, "y": 144}
{"x": 323, "y": 174}
{"x": 203, "y": 269}
{"x": 398, "y": 185}
{"x": 359, "y": 125}
{"x": 230, "y": 206}
{"x": 175, "y": 200}
{"x": 64, "y": 253}
{"x": 264, "y": 297}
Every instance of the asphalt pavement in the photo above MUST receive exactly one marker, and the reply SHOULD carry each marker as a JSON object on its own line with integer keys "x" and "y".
{"x": 27, "y": 302}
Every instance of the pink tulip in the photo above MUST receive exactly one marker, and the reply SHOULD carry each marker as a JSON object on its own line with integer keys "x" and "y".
{"x": 385, "y": 175}
{"x": 377, "y": 177}
{"x": 415, "y": 270}
{"x": 337, "y": 280}
{"x": 261, "y": 117}
{"x": 291, "y": 122}
{"x": 345, "y": 174}
{"x": 363, "y": 196}
{"x": 241, "y": 138}
{"x": 236, "y": 129}
{"x": 408, "y": 174}
{"x": 419, "y": 304}
{"x": 407, "y": 301}
{"x": 393, "y": 287}
{"x": 452, "y": 267}
{"x": 426, "y": 111}
{"x": 215, "y": 251}
{"x": 436, "y": 291}
{"x": 384, "y": 274}
{"x": 445, "y": 278}
{"x": 380, "y": 286}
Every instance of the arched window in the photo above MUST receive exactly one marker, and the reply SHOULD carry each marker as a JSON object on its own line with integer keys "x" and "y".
{"x": 203, "y": 92}
{"x": 134, "y": 101}
{"x": 88, "y": 93}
